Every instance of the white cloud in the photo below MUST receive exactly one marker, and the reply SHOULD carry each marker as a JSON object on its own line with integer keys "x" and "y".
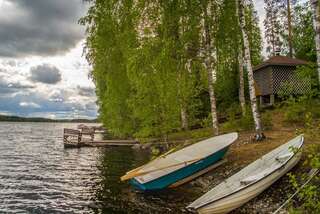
{"x": 29, "y": 104}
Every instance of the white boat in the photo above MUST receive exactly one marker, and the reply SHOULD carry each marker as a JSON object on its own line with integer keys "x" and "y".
{"x": 250, "y": 181}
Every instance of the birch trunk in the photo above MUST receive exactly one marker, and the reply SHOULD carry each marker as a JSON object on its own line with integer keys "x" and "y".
{"x": 242, "y": 99}
{"x": 213, "y": 107}
{"x": 247, "y": 59}
{"x": 184, "y": 118}
{"x": 209, "y": 64}
{"x": 315, "y": 4}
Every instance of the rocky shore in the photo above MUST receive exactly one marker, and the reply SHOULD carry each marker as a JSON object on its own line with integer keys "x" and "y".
{"x": 240, "y": 154}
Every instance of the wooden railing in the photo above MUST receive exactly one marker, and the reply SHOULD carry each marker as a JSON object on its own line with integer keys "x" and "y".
{"x": 76, "y": 136}
{"x": 71, "y": 135}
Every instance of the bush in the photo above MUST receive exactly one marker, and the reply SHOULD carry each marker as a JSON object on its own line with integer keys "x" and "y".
{"x": 266, "y": 119}
{"x": 309, "y": 195}
{"x": 239, "y": 124}
{"x": 298, "y": 109}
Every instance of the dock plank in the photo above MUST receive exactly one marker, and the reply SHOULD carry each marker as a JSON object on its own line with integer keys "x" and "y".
{"x": 106, "y": 143}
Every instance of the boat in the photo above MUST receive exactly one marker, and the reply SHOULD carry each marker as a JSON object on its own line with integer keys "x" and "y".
{"x": 250, "y": 181}
{"x": 173, "y": 169}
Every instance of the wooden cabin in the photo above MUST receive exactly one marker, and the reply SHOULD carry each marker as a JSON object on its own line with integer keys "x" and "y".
{"x": 278, "y": 75}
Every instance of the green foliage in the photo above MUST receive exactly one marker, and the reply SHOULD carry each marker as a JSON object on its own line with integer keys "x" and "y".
{"x": 237, "y": 122}
{"x": 301, "y": 109}
{"x": 111, "y": 37}
{"x": 254, "y": 33}
{"x": 266, "y": 118}
{"x": 147, "y": 61}
{"x": 309, "y": 195}
{"x": 303, "y": 33}
{"x": 228, "y": 45}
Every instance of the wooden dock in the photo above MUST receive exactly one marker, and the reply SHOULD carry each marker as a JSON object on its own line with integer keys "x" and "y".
{"x": 73, "y": 138}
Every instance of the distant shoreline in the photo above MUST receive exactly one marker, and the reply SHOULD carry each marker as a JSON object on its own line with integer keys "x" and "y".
{"x": 6, "y": 118}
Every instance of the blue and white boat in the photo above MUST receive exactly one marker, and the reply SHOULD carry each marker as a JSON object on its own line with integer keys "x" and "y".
{"x": 181, "y": 166}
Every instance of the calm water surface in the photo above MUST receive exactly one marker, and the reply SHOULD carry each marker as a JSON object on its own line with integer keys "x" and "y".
{"x": 37, "y": 175}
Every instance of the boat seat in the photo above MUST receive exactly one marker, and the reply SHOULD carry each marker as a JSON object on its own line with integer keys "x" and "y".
{"x": 283, "y": 157}
{"x": 256, "y": 177}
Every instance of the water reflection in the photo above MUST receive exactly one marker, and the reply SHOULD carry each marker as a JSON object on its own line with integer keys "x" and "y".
{"x": 37, "y": 175}
{"x": 114, "y": 196}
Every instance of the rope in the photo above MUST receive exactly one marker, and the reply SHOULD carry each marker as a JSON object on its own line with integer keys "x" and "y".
{"x": 314, "y": 173}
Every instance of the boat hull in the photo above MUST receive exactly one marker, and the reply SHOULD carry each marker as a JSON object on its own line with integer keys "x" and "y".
{"x": 185, "y": 172}
{"x": 241, "y": 197}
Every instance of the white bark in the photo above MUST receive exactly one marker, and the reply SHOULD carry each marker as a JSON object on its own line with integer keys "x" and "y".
{"x": 315, "y": 4}
{"x": 212, "y": 96}
{"x": 247, "y": 59}
{"x": 209, "y": 64}
{"x": 184, "y": 118}
{"x": 242, "y": 99}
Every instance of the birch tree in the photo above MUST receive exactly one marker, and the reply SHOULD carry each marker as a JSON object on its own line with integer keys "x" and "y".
{"x": 210, "y": 59}
{"x": 247, "y": 59}
{"x": 242, "y": 99}
{"x": 315, "y": 4}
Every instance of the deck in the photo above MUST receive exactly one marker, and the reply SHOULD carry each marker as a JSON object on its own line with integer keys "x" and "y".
{"x": 73, "y": 138}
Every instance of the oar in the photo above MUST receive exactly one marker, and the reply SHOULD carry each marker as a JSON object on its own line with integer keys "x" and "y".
{"x": 136, "y": 172}
{"x": 161, "y": 156}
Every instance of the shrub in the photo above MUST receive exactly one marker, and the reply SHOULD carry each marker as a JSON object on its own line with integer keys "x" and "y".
{"x": 309, "y": 195}
{"x": 266, "y": 119}
{"x": 297, "y": 109}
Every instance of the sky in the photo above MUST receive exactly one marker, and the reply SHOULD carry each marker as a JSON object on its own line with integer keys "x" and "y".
{"x": 42, "y": 69}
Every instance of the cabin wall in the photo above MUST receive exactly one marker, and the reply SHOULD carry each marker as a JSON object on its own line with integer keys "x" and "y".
{"x": 263, "y": 79}
{"x": 286, "y": 81}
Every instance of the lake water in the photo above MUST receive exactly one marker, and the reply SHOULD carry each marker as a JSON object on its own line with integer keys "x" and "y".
{"x": 37, "y": 175}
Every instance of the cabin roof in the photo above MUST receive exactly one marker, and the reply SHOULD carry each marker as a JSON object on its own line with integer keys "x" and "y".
{"x": 280, "y": 60}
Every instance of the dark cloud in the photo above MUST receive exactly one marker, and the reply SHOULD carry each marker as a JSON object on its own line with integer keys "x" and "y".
{"x": 40, "y": 27}
{"x": 45, "y": 74}
{"x": 86, "y": 91}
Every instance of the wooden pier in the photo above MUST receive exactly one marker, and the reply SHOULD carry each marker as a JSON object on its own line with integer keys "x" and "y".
{"x": 73, "y": 138}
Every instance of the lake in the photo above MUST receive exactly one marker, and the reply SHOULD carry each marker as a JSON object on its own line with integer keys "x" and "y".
{"x": 37, "y": 175}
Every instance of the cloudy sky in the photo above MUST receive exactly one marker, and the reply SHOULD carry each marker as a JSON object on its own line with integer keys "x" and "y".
{"x": 42, "y": 71}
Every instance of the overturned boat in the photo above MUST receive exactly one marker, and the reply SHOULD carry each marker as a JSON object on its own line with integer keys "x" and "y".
{"x": 250, "y": 181}
{"x": 179, "y": 167}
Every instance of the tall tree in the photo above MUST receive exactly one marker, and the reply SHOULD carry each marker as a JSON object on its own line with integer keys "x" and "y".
{"x": 247, "y": 58}
{"x": 316, "y": 22}
{"x": 254, "y": 32}
{"x": 242, "y": 99}
{"x": 303, "y": 33}
{"x": 289, "y": 28}
{"x": 209, "y": 9}
{"x": 285, "y": 16}
{"x": 272, "y": 27}
{"x": 111, "y": 37}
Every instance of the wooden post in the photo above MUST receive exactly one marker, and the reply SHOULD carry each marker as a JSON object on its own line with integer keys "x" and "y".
{"x": 79, "y": 137}
{"x": 272, "y": 99}
{"x": 261, "y": 100}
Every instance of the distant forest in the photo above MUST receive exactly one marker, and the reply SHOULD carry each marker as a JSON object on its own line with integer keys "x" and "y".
{"x": 39, "y": 119}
